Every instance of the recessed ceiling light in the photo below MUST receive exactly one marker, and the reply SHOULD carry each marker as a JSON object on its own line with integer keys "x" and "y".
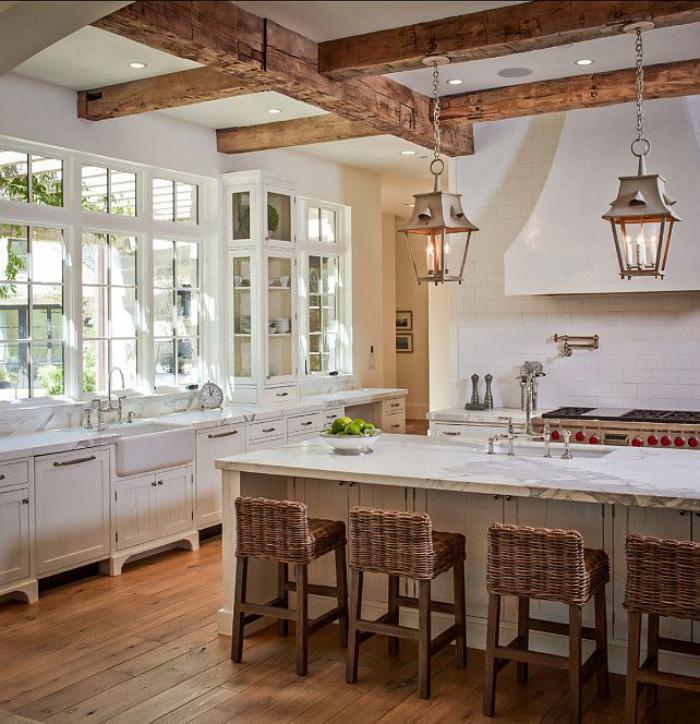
{"x": 515, "y": 72}
{"x": 584, "y": 61}
{"x": 455, "y": 81}
{"x": 138, "y": 65}
{"x": 408, "y": 153}
{"x": 274, "y": 111}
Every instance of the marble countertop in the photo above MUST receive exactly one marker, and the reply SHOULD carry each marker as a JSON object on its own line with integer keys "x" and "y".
{"x": 626, "y": 476}
{"x": 53, "y": 441}
{"x": 459, "y": 414}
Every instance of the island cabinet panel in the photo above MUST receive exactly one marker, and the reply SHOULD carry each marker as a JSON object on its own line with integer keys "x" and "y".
{"x": 586, "y": 518}
{"x": 470, "y": 514}
{"x": 72, "y": 509}
{"x": 659, "y": 522}
{"x": 696, "y": 539}
{"x": 14, "y": 535}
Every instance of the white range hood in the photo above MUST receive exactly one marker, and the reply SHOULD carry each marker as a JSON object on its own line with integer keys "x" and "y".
{"x": 565, "y": 247}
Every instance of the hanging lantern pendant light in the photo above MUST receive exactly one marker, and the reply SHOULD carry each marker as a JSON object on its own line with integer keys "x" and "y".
{"x": 437, "y": 216}
{"x": 641, "y": 216}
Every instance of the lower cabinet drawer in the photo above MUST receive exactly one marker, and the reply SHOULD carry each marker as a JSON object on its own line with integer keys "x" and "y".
{"x": 267, "y": 430}
{"x": 304, "y": 423}
{"x": 464, "y": 432}
{"x": 332, "y": 413}
{"x": 279, "y": 395}
{"x": 395, "y": 423}
{"x": 14, "y": 474}
{"x": 395, "y": 404}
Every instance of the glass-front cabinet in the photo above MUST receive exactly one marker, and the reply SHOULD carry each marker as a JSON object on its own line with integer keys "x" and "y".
{"x": 261, "y": 287}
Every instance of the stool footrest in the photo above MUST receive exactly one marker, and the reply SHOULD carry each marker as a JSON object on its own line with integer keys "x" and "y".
{"x": 554, "y": 627}
{"x": 665, "y": 678}
{"x": 679, "y": 646}
{"x": 437, "y": 606}
{"x": 382, "y": 627}
{"x": 325, "y": 618}
{"x": 315, "y": 588}
{"x": 513, "y": 652}
{"x": 444, "y": 639}
{"x": 275, "y": 608}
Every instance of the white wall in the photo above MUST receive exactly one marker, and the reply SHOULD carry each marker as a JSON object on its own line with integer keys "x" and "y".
{"x": 649, "y": 343}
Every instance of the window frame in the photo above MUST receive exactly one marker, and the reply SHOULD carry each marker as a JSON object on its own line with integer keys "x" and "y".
{"x": 8, "y": 143}
{"x": 340, "y": 248}
{"x": 174, "y": 179}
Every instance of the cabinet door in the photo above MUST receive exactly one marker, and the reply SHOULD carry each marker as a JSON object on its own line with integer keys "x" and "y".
{"x": 211, "y": 445}
{"x": 72, "y": 509}
{"x": 174, "y": 511}
{"x": 243, "y": 316}
{"x": 471, "y": 515}
{"x": 134, "y": 501}
{"x": 14, "y": 535}
{"x": 586, "y": 518}
{"x": 657, "y": 522}
{"x": 280, "y": 323}
{"x": 696, "y": 539}
{"x": 326, "y": 499}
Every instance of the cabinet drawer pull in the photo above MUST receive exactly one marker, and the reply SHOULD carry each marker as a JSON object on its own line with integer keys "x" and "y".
{"x": 451, "y": 434}
{"x": 331, "y": 417}
{"x": 2, "y": 476}
{"x": 153, "y": 484}
{"x": 214, "y": 435}
{"x": 395, "y": 404}
{"x": 76, "y": 461}
{"x": 160, "y": 482}
{"x": 307, "y": 423}
{"x": 25, "y": 501}
{"x": 281, "y": 394}
{"x": 393, "y": 427}
{"x": 268, "y": 430}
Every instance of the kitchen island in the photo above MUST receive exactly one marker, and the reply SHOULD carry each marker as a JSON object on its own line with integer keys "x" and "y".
{"x": 605, "y": 493}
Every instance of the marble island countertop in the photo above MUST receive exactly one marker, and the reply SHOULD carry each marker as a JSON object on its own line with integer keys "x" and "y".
{"x": 626, "y": 475}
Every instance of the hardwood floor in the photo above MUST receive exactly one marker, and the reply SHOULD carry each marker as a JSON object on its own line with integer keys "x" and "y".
{"x": 143, "y": 648}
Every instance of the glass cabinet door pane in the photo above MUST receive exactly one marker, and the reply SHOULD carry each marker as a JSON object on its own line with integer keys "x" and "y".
{"x": 240, "y": 214}
{"x": 279, "y": 217}
{"x": 242, "y": 317}
{"x": 279, "y": 305}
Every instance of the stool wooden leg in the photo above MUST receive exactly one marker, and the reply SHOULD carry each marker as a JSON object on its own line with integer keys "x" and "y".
{"x": 424, "y": 638}
{"x": 523, "y": 633}
{"x": 653, "y": 655}
{"x": 393, "y": 594}
{"x": 601, "y": 642}
{"x": 492, "y": 628}
{"x": 238, "y": 599}
{"x": 634, "y": 635}
{"x": 341, "y": 578}
{"x": 575, "y": 683}
{"x": 302, "y": 627}
{"x": 282, "y": 578}
{"x": 353, "y": 653}
{"x": 460, "y": 615}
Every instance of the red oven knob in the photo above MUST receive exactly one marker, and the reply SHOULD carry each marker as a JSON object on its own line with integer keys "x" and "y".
{"x": 653, "y": 440}
{"x": 580, "y": 436}
{"x": 665, "y": 440}
{"x": 679, "y": 441}
{"x": 637, "y": 442}
{"x": 693, "y": 441}
{"x": 593, "y": 439}
{"x": 556, "y": 435}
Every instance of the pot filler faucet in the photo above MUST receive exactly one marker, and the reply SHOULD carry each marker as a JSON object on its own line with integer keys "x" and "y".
{"x": 529, "y": 372}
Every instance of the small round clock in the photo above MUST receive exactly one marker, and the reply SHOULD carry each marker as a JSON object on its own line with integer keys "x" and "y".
{"x": 210, "y": 396}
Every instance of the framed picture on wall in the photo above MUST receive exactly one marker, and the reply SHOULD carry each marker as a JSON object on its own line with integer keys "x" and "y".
{"x": 404, "y": 343}
{"x": 404, "y": 321}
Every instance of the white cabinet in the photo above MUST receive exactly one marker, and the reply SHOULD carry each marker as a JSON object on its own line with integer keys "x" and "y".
{"x": 72, "y": 509}
{"x": 154, "y": 506}
{"x": 473, "y": 432}
{"x": 213, "y": 444}
{"x": 14, "y": 535}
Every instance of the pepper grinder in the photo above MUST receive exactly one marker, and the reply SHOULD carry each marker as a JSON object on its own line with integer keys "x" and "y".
{"x": 488, "y": 395}
{"x": 474, "y": 403}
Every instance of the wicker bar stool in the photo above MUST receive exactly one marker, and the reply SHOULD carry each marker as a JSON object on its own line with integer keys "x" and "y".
{"x": 404, "y": 545}
{"x": 281, "y": 531}
{"x": 663, "y": 579}
{"x": 548, "y": 565}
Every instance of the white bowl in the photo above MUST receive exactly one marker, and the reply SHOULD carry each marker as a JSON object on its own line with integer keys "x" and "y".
{"x": 350, "y": 444}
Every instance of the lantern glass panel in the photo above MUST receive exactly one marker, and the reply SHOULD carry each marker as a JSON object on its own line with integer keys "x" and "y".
{"x": 427, "y": 254}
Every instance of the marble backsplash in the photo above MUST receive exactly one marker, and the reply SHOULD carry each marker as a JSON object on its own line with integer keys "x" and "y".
{"x": 39, "y": 415}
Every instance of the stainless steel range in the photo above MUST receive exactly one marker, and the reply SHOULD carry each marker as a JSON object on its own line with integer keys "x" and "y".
{"x": 673, "y": 429}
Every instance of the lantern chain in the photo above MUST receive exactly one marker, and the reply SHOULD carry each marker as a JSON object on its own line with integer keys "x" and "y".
{"x": 640, "y": 86}
{"x": 436, "y": 112}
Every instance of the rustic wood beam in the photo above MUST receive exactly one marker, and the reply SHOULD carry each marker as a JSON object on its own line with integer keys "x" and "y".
{"x": 267, "y": 56}
{"x": 297, "y": 132}
{"x": 665, "y": 80}
{"x": 151, "y": 94}
{"x": 494, "y": 33}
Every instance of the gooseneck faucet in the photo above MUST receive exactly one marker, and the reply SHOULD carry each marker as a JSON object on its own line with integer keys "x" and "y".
{"x": 529, "y": 372}
{"x": 101, "y": 407}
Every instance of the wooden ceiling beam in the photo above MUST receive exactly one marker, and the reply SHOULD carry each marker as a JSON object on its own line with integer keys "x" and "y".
{"x": 494, "y": 33}
{"x": 153, "y": 94}
{"x": 266, "y": 56}
{"x": 284, "y": 134}
{"x": 666, "y": 80}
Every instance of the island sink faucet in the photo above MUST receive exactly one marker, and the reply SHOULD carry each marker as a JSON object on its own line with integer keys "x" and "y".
{"x": 529, "y": 372}
{"x": 102, "y": 407}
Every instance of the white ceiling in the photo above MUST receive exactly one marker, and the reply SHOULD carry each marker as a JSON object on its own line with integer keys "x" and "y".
{"x": 662, "y": 45}
{"x": 338, "y": 19}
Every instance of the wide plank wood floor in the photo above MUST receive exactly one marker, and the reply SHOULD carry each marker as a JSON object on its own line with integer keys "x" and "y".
{"x": 143, "y": 648}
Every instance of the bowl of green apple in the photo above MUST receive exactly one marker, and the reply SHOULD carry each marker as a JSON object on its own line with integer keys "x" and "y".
{"x": 350, "y": 437}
